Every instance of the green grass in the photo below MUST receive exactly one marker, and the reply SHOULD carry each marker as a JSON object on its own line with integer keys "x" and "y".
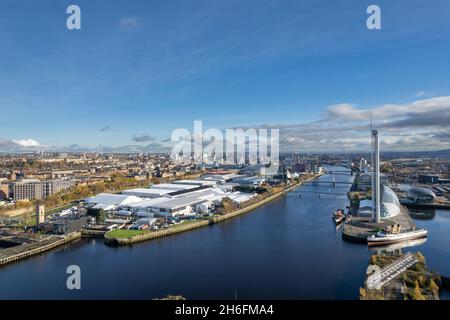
{"x": 29, "y": 222}
{"x": 124, "y": 233}
{"x": 59, "y": 208}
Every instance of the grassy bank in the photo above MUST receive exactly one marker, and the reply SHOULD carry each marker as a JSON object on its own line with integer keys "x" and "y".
{"x": 124, "y": 233}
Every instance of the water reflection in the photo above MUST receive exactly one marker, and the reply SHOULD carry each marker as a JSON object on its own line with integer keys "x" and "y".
{"x": 422, "y": 213}
{"x": 396, "y": 248}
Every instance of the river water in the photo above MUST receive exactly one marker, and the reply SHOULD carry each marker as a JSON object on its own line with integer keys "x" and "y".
{"x": 287, "y": 249}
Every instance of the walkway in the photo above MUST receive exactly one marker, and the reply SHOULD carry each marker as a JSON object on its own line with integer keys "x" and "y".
{"x": 383, "y": 276}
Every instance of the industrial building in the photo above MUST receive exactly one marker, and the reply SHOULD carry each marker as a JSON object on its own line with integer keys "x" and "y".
{"x": 203, "y": 182}
{"x": 109, "y": 201}
{"x": 160, "y": 190}
{"x": 191, "y": 203}
{"x": 249, "y": 181}
{"x": 428, "y": 178}
{"x": 181, "y": 198}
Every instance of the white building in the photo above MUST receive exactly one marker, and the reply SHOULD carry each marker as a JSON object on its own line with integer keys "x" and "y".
{"x": 159, "y": 190}
{"x": 147, "y": 192}
{"x": 109, "y": 201}
{"x": 182, "y": 206}
{"x": 202, "y": 183}
{"x": 363, "y": 165}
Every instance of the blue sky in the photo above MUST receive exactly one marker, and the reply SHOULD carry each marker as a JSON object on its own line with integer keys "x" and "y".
{"x": 140, "y": 69}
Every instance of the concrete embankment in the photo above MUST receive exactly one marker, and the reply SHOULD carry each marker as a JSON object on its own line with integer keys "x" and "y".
{"x": 198, "y": 224}
{"x": 86, "y": 233}
{"x": 27, "y": 250}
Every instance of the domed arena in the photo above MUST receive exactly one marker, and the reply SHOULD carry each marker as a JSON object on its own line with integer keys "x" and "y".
{"x": 420, "y": 195}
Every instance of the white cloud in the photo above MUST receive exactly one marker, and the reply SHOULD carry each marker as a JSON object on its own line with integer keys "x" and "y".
{"x": 27, "y": 143}
{"x": 416, "y": 126}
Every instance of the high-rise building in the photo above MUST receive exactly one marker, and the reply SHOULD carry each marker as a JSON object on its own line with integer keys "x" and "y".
{"x": 376, "y": 177}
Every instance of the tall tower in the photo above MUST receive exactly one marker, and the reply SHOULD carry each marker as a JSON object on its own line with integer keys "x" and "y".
{"x": 40, "y": 214}
{"x": 376, "y": 199}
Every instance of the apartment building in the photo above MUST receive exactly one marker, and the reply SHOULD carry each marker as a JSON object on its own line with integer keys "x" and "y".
{"x": 28, "y": 189}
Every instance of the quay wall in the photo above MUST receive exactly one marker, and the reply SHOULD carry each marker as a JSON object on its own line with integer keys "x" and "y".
{"x": 40, "y": 249}
{"x": 92, "y": 233}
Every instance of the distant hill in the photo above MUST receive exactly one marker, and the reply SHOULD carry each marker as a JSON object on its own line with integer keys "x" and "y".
{"x": 417, "y": 154}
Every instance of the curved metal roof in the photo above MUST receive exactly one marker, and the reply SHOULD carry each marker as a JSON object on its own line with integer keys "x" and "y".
{"x": 420, "y": 191}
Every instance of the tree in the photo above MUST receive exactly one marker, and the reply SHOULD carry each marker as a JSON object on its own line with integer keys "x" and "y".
{"x": 99, "y": 214}
{"x": 433, "y": 286}
{"x": 421, "y": 258}
{"x": 416, "y": 293}
{"x": 228, "y": 205}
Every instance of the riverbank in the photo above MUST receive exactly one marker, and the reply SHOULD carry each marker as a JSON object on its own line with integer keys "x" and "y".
{"x": 119, "y": 241}
{"x": 27, "y": 250}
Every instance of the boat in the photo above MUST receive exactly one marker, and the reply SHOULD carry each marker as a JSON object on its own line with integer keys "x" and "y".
{"x": 338, "y": 217}
{"x": 383, "y": 238}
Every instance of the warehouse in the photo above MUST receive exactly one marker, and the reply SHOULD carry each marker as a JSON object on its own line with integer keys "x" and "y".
{"x": 183, "y": 206}
{"x": 109, "y": 201}
{"x": 146, "y": 192}
{"x": 160, "y": 190}
{"x": 210, "y": 183}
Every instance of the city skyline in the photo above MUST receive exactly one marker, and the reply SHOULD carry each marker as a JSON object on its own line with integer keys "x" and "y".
{"x": 135, "y": 72}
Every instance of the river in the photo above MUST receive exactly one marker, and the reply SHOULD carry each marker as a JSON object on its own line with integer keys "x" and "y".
{"x": 287, "y": 249}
